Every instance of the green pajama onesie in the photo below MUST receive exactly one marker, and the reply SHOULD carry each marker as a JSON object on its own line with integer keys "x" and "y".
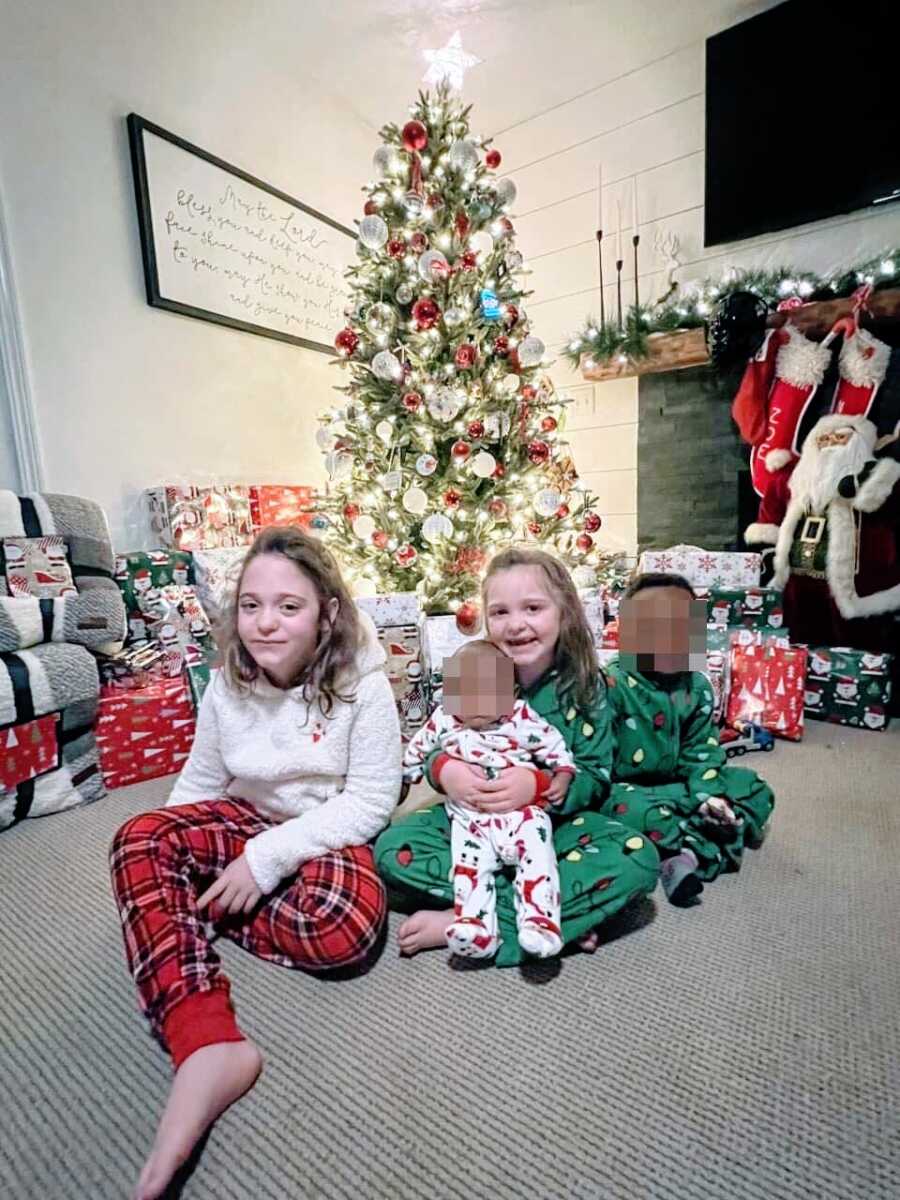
{"x": 602, "y": 862}
{"x": 667, "y": 761}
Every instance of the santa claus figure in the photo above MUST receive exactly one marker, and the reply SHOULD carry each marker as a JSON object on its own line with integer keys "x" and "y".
{"x": 874, "y": 717}
{"x": 834, "y": 526}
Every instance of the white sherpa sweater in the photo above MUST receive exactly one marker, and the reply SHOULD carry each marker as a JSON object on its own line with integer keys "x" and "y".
{"x": 326, "y": 783}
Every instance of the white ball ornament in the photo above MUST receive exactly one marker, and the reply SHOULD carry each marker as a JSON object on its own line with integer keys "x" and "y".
{"x": 381, "y": 318}
{"x": 444, "y": 404}
{"x": 483, "y": 464}
{"x": 385, "y": 430}
{"x": 324, "y": 438}
{"x": 506, "y": 191}
{"x": 463, "y": 155}
{"x": 386, "y": 366}
{"x": 427, "y": 263}
{"x": 373, "y": 232}
{"x": 482, "y": 243}
{"x": 531, "y": 351}
{"x": 364, "y": 527}
{"x": 383, "y": 160}
{"x": 437, "y": 526}
{"x": 426, "y": 464}
{"x": 338, "y": 464}
{"x": 547, "y": 501}
{"x": 415, "y": 501}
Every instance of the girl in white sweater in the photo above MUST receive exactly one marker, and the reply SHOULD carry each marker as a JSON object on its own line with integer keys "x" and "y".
{"x": 295, "y": 768}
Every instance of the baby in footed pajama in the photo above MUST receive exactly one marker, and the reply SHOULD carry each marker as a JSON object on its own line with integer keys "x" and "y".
{"x": 481, "y": 723}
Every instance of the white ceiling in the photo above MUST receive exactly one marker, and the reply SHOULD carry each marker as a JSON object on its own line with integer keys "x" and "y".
{"x": 537, "y": 54}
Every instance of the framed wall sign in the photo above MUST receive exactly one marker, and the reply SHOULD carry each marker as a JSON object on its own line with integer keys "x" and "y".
{"x": 223, "y": 246}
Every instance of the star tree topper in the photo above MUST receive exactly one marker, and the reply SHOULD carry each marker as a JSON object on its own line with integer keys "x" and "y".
{"x": 450, "y": 62}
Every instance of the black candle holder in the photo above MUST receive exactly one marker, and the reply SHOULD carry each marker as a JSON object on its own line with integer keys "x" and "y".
{"x": 600, "y": 266}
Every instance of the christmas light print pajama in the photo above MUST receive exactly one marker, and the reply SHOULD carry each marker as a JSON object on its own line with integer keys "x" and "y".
{"x": 603, "y": 865}
{"x": 668, "y": 765}
{"x": 482, "y": 843}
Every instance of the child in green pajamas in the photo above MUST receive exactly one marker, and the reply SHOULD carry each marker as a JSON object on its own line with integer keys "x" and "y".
{"x": 670, "y": 778}
{"x": 533, "y": 614}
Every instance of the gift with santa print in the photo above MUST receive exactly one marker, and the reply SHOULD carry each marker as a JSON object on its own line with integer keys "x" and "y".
{"x": 849, "y": 687}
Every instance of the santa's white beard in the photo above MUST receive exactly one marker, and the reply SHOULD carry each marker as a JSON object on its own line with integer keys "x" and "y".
{"x": 815, "y": 478}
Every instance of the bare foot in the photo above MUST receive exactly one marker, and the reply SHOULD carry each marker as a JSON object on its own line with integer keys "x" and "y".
{"x": 205, "y": 1084}
{"x": 588, "y": 942}
{"x": 424, "y": 930}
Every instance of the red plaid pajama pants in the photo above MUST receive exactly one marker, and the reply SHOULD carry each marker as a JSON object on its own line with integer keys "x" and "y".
{"x": 328, "y": 915}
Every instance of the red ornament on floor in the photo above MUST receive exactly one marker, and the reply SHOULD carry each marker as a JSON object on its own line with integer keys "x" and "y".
{"x": 414, "y": 136}
{"x": 493, "y": 159}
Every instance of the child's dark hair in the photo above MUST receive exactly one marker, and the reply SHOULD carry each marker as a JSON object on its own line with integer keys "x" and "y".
{"x": 338, "y": 642}
{"x": 575, "y": 659}
{"x": 656, "y": 579}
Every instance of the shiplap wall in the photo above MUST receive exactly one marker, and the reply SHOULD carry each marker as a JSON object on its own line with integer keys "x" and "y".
{"x": 648, "y": 123}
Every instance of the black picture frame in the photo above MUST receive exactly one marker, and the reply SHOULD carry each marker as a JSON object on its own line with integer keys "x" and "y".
{"x": 137, "y": 127}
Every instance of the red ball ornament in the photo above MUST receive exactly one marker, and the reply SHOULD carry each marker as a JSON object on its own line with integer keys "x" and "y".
{"x": 465, "y": 356}
{"x": 498, "y": 472}
{"x": 418, "y": 243}
{"x": 510, "y": 315}
{"x": 462, "y": 224}
{"x": 528, "y": 392}
{"x": 534, "y": 528}
{"x": 452, "y": 497}
{"x": 425, "y": 312}
{"x": 460, "y": 450}
{"x": 380, "y": 538}
{"x": 396, "y": 247}
{"x": 411, "y": 401}
{"x": 584, "y": 541}
{"x": 468, "y": 617}
{"x": 501, "y": 345}
{"x": 414, "y": 136}
{"x": 538, "y": 452}
{"x": 506, "y": 227}
{"x": 346, "y": 342}
{"x": 592, "y": 522}
{"x": 406, "y": 555}
{"x": 351, "y": 512}
{"x": 435, "y": 201}
{"x": 493, "y": 159}
{"x": 370, "y": 208}
{"x": 548, "y": 424}
{"x": 498, "y": 508}
{"x": 469, "y": 260}
{"x": 475, "y": 429}
{"x": 562, "y": 512}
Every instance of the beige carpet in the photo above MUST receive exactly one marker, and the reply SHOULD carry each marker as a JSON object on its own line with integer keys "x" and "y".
{"x": 747, "y": 1048}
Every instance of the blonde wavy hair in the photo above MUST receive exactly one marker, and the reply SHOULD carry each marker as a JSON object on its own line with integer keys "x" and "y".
{"x": 335, "y": 656}
{"x": 575, "y": 659}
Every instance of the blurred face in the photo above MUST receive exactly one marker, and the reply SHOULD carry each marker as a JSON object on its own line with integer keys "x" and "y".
{"x": 664, "y": 630}
{"x": 279, "y": 617}
{"x": 479, "y": 687}
{"x": 523, "y": 619}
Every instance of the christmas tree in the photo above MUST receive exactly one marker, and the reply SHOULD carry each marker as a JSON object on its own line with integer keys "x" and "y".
{"x": 450, "y": 442}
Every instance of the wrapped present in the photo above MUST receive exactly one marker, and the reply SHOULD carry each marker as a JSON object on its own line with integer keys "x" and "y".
{"x": 144, "y": 734}
{"x": 404, "y": 671}
{"x": 745, "y": 606}
{"x": 767, "y": 688}
{"x": 174, "y": 617}
{"x": 849, "y": 687}
{"x": 146, "y": 571}
{"x": 191, "y": 518}
{"x": 200, "y": 664}
{"x": 277, "y": 504}
{"x": 137, "y": 666}
{"x": 593, "y": 601}
{"x": 29, "y": 750}
{"x": 216, "y": 574}
{"x": 704, "y": 568}
{"x": 391, "y": 609}
{"x": 440, "y": 638}
{"x": 609, "y": 638}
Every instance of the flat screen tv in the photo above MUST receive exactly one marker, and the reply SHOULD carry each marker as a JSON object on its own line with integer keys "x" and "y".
{"x": 802, "y": 117}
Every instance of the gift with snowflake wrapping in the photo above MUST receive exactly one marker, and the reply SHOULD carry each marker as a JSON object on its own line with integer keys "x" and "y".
{"x": 767, "y": 688}
{"x": 144, "y": 734}
{"x": 391, "y": 609}
{"x": 849, "y": 687}
{"x": 704, "y": 568}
